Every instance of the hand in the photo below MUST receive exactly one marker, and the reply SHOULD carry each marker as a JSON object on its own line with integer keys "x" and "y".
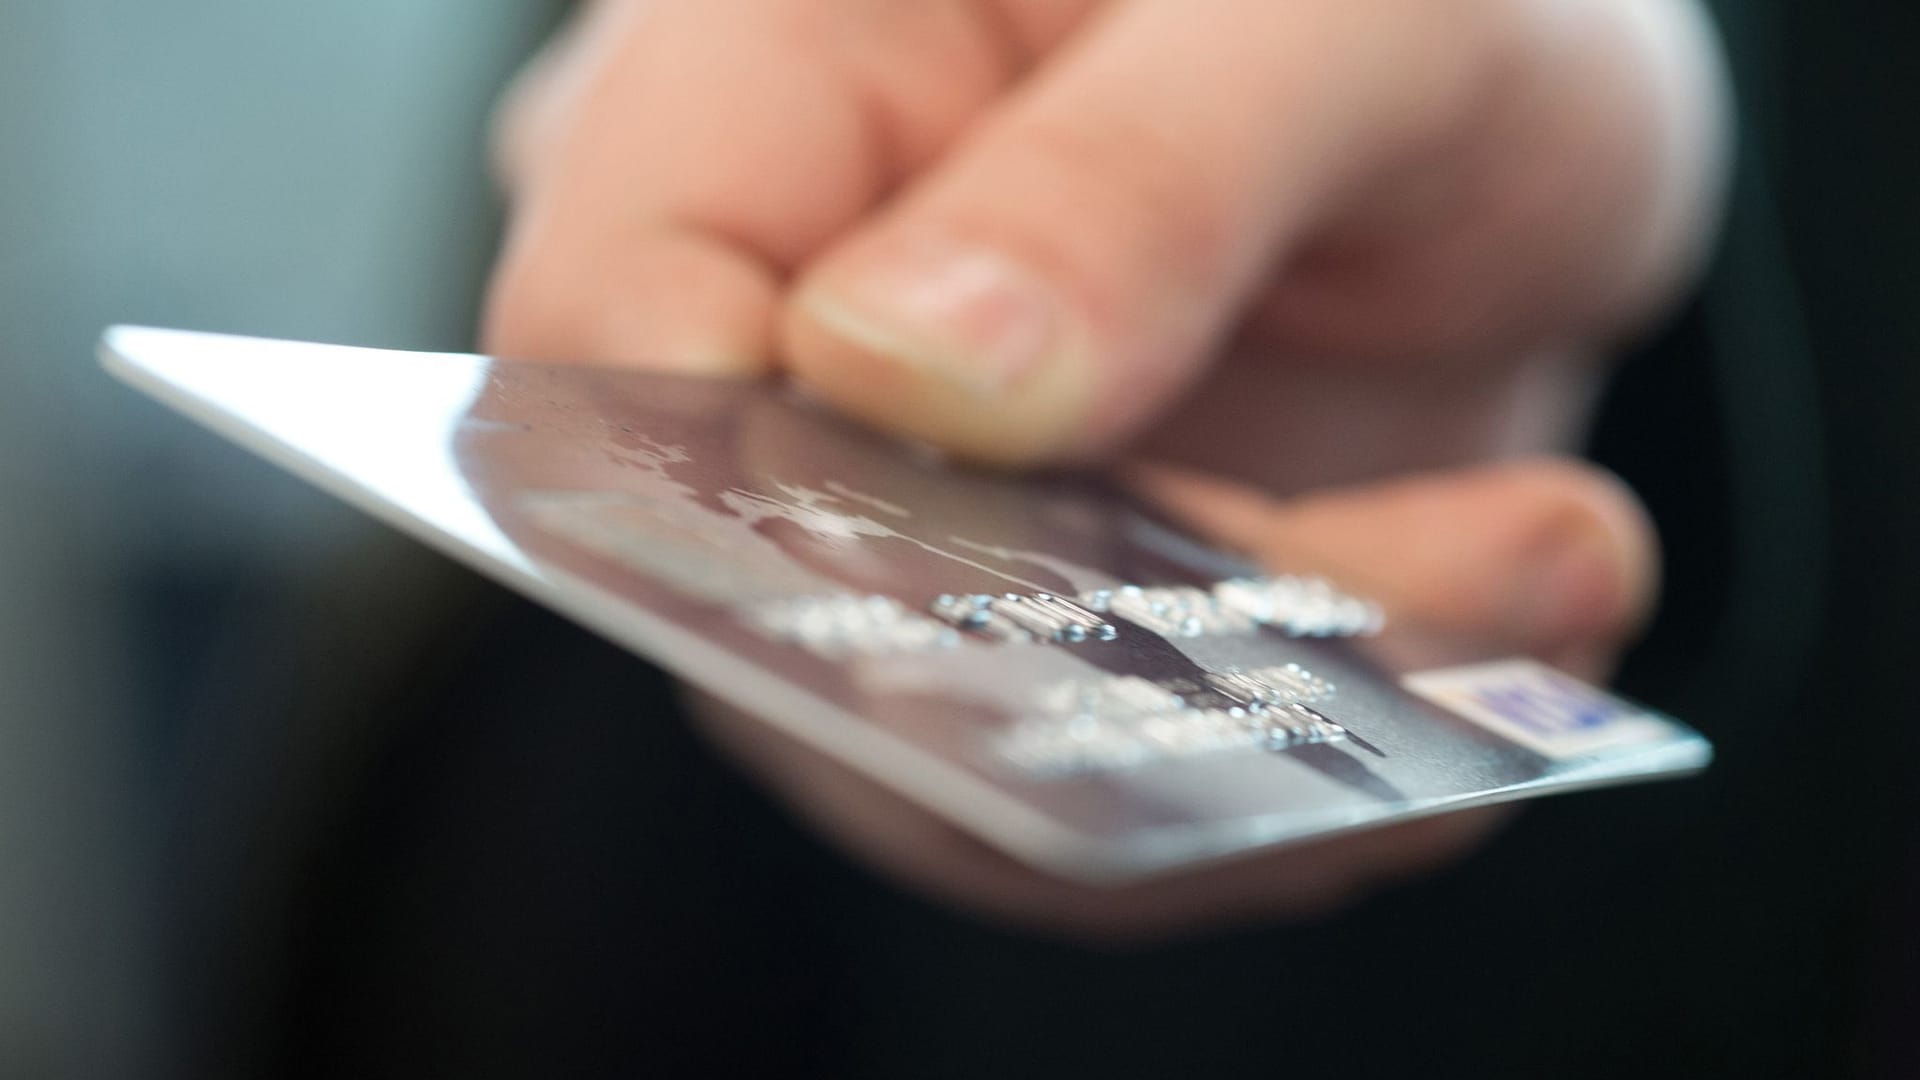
{"x": 1556, "y": 563}
{"x": 1024, "y": 229}
{"x": 1292, "y": 245}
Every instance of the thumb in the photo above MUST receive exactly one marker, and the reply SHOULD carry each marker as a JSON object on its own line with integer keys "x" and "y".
{"x": 1064, "y": 273}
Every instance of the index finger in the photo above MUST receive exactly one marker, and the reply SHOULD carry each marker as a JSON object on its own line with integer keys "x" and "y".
{"x": 674, "y": 162}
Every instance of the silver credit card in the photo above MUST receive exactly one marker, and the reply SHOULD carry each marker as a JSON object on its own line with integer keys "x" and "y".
{"x": 1048, "y": 662}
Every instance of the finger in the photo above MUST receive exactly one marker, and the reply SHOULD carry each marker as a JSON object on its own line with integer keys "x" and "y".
{"x": 671, "y": 163}
{"x": 1545, "y": 558}
{"x": 1300, "y": 882}
{"x": 1062, "y": 274}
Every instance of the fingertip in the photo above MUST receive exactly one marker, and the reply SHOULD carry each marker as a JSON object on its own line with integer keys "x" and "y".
{"x": 1547, "y": 557}
{"x": 957, "y": 346}
{"x": 675, "y": 302}
{"x": 1593, "y": 556}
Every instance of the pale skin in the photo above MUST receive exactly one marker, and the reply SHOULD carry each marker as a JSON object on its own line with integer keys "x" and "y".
{"x": 1342, "y": 270}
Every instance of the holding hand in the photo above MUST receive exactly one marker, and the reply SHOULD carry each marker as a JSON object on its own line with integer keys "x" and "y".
{"x": 1285, "y": 245}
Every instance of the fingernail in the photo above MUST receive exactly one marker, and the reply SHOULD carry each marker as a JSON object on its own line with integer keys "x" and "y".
{"x": 968, "y": 316}
{"x": 1578, "y": 591}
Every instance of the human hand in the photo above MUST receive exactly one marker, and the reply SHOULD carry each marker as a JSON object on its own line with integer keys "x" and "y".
{"x": 1293, "y": 245}
{"x": 1396, "y": 231}
{"x": 1557, "y": 564}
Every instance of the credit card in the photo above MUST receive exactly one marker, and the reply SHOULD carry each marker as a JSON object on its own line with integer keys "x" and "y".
{"x": 1050, "y": 663}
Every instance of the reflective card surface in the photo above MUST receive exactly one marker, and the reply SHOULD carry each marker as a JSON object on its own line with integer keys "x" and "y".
{"x": 1048, "y": 663}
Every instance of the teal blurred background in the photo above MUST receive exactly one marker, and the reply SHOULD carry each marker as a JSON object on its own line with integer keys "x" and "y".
{"x": 299, "y": 170}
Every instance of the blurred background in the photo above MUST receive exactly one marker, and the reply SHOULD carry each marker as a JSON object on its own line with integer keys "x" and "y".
{"x": 294, "y": 170}
{"x": 318, "y": 171}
